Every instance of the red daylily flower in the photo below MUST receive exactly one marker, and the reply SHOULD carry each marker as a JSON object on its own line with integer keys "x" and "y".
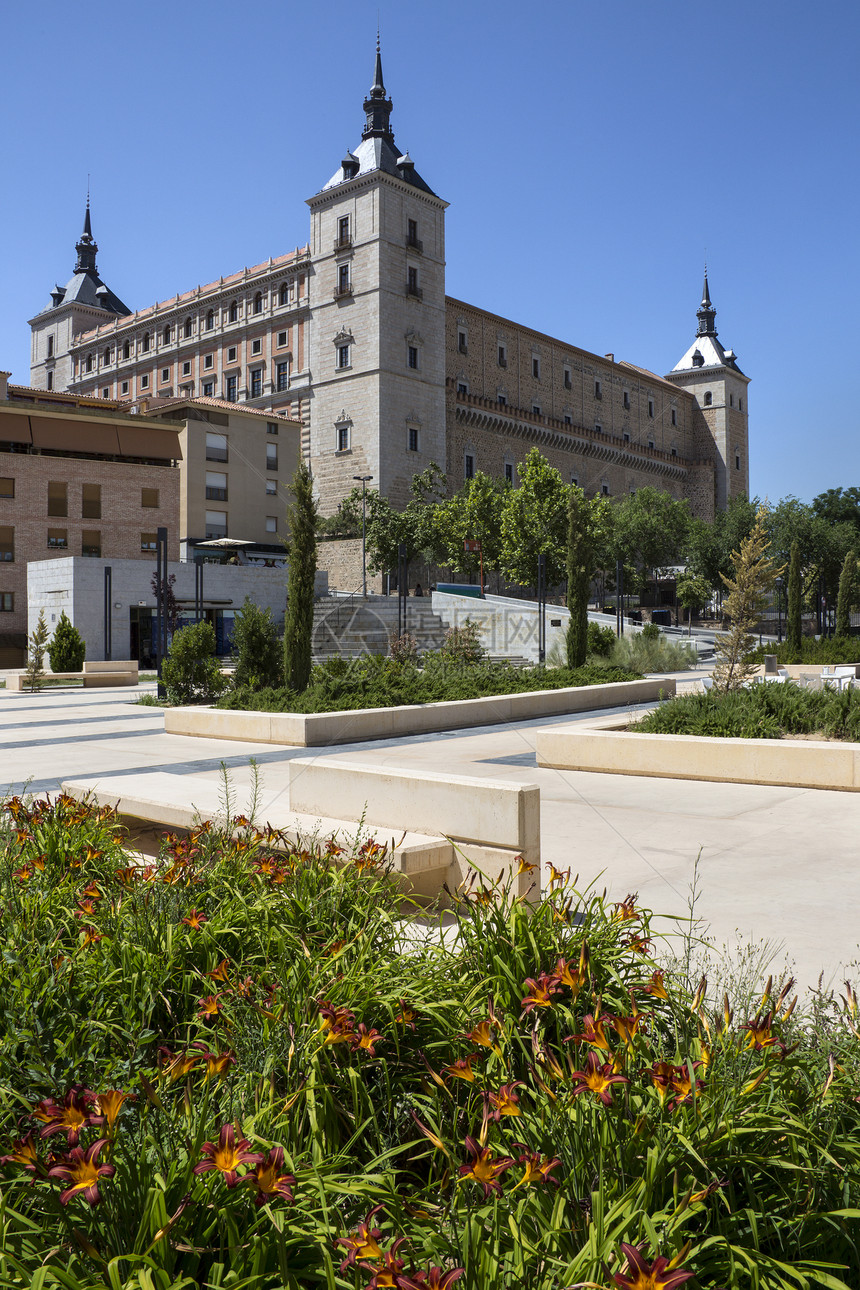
{"x": 195, "y": 920}
{"x": 362, "y": 1243}
{"x": 227, "y": 1156}
{"x": 505, "y": 1102}
{"x": 658, "y": 1275}
{"x": 407, "y": 1015}
{"x": 540, "y": 992}
{"x": 269, "y": 1180}
{"x": 574, "y": 977}
{"x": 366, "y": 1039}
{"x": 625, "y": 910}
{"x": 77, "y": 1112}
{"x": 210, "y": 1006}
{"x": 483, "y": 1168}
{"x": 761, "y": 1033}
{"x": 437, "y": 1279}
{"x": 90, "y": 936}
{"x": 462, "y": 1068}
{"x": 537, "y": 1168}
{"x": 593, "y": 1033}
{"x": 24, "y": 1152}
{"x": 656, "y": 986}
{"x": 683, "y": 1085}
{"x": 390, "y": 1275}
{"x": 82, "y": 1170}
{"x": 597, "y": 1079}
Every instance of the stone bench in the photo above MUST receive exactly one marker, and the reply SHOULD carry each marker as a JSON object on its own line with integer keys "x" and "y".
{"x": 105, "y": 672}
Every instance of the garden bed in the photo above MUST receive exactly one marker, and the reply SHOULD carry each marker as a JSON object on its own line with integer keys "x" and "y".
{"x": 308, "y": 730}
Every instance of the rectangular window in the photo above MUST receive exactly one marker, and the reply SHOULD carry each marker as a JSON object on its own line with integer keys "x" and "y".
{"x": 50, "y": 347}
{"x": 91, "y": 502}
{"x": 502, "y": 400}
{"x": 256, "y": 382}
{"x": 674, "y": 417}
{"x": 165, "y": 376}
{"x": 216, "y": 524}
{"x": 230, "y": 388}
{"x": 283, "y": 374}
{"x": 58, "y": 499}
{"x": 271, "y": 427}
{"x": 731, "y": 400}
{"x": 469, "y": 466}
{"x": 209, "y": 360}
{"x": 343, "y": 355}
{"x": 7, "y": 487}
{"x": 509, "y": 473}
{"x": 412, "y": 280}
{"x": 50, "y": 379}
{"x": 148, "y": 541}
{"x": 740, "y": 404}
{"x": 256, "y": 347}
{"x": 568, "y": 421}
{"x": 271, "y": 486}
{"x": 231, "y": 354}
{"x": 216, "y": 486}
{"x": 462, "y": 341}
{"x": 625, "y": 400}
{"x": 536, "y": 409}
{"x": 282, "y": 339}
{"x": 412, "y": 356}
{"x": 7, "y": 602}
{"x": 651, "y": 443}
{"x": 343, "y": 279}
{"x": 149, "y": 497}
{"x": 574, "y": 479}
{"x": 144, "y": 381}
{"x": 412, "y": 232}
{"x": 343, "y": 438}
{"x": 674, "y": 452}
{"x": 503, "y": 356}
{"x": 7, "y": 543}
{"x": 626, "y": 436}
{"x": 271, "y": 456}
{"x": 536, "y": 368}
{"x": 91, "y": 542}
{"x": 343, "y": 230}
{"x": 106, "y": 393}
{"x": 604, "y": 488}
{"x": 462, "y": 388}
{"x": 568, "y": 383}
{"x": 208, "y": 389}
{"x": 650, "y": 407}
{"x": 216, "y": 446}
{"x": 413, "y": 439}
{"x": 186, "y": 369}
{"x": 58, "y": 539}
{"x": 737, "y": 461}
{"x": 598, "y": 429}
{"x": 271, "y": 524}
{"x": 598, "y": 390}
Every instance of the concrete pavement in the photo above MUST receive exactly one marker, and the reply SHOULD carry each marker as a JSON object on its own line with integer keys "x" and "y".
{"x": 776, "y": 865}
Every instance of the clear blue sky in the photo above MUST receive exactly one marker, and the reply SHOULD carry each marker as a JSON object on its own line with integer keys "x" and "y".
{"x": 591, "y": 152}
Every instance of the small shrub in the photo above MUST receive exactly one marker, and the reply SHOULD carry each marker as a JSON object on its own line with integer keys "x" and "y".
{"x": 600, "y": 640}
{"x": 256, "y": 648}
{"x": 762, "y": 712}
{"x": 35, "y": 674}
{"x": 653, "y": 653}
{"x": 827, "y": 650}
{"x": 403, "y": 649}
{"x": 191, "y": 673}
{"x": 650, "y": 632}
{"x": 463, "y": 644}
{"x": 68, "y": 649}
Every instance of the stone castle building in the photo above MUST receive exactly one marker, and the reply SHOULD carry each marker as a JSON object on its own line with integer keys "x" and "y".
{"x": 354, "y": 335}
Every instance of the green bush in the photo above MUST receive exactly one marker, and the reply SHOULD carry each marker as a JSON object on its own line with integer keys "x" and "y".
{"x": 827, "y": 650}
{"x": 650, "y": 632}
{"x": 378, "y": 682}
{"x": 600, "y": 640}
{"x": 653, "y": 652}
{"x": 765, "y": 711}
{"x": 257, "y": 651}
{"x": 67, "y": 649}
{"x": 191, "y": 673}
{"x": 463, "y": 644}
{"x": 243, "y": 1045}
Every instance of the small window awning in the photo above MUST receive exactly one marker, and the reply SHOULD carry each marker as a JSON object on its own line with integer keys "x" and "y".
{"x": 65, "y": 435}
{"x": 149, "y": 441}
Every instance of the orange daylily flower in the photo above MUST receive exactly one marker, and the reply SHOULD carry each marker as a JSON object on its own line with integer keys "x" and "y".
{"x": 625, "y": 910}
{"x": 484, "y": 1168}
{"x": 660, "y": 1075}
{"x": 592, "y": 1032}
{"x": 523, "y": 866}
{"x": 110, "y": 1104}
{"x": 77, "y": 1112}
{"x": 761, "y": 1033}
{"x": 626, "y": 1028}
{"x": 639, "y": 943}
{"x": 221, "y": 972}
{"x": 597, "y": 1079}
{"x": 462, "y": 1068}
{"x": 366, "y": 1039}
{"x": 362, "y": 1243}
{"x": 24, "y": 1152}
{"x": 574, "y": 977}
{"x": 194, "y": 920}
{"x": 227, "y": 1156}
{"x": 540, "y": 992}
{"x": 557, "y": 877}
{"x": 684, "y": 1085}
{"x": 81, "y": 1169}
{"x": 536, "y": 1168}
{"x": 216, "y": 1064}
{"x": 407, "y": 1015}
{"x": 505, "y": 1102}
{"x": 268, "y": 1179}
{"x": 658, "y": 1275}
{"x": 656, "y": 986}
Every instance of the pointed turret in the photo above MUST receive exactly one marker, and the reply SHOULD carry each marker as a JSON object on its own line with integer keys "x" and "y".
{"x": 377, "y": 105}
{"x": 706, "y": 313}
{"x": 86, "y": 247}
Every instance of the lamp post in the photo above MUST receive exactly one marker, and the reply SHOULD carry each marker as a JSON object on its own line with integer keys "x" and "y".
{"x": 363, "y": 480}
{"x": 779, "y": 608}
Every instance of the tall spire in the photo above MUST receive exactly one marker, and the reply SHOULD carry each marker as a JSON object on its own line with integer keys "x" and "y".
{"x": 706, "y": 313}
{"x": 86, "y": 247}
{"x": 377, "y": 105}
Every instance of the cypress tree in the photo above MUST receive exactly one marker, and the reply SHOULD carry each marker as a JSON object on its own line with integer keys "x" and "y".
{"x": 843, "y": 600}
{"x": 35, "y": 675}
{"x": 792, "y": 622}
{"x": 578, "y": 575}
{"x": 298, "y": 629}
{"x": 68, "y": 649}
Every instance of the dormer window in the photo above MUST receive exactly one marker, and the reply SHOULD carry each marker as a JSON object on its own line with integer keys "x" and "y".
{"x": 698, "y": 359}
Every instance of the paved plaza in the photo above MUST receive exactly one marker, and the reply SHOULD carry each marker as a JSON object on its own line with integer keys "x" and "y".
{"x": 774, "y": 865}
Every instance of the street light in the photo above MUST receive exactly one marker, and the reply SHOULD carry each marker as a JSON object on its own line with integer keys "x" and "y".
{"x": 363, "y": 480}
{"x": 779, "y": 607}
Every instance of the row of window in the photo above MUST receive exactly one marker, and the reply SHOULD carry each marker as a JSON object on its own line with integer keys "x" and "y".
{"x": 58, "y": 540}
{"x": 216, "y": 524}
{"x": 217, "y": 487}
{"x": 343, "y": 438}
{"x": 254, "y": 386}
{"x": 217, "y": 449}
{"x": 91, "y": 497}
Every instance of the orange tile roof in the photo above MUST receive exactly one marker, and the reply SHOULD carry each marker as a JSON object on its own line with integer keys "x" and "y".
{"x": 156, "y": 405}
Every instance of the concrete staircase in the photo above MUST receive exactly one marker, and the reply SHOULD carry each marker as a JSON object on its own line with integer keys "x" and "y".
{"x": 349, "y": 626}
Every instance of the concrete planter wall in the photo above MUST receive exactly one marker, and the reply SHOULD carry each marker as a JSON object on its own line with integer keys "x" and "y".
{"x": 791, "y": 763}
{"x": 315, "y": 729}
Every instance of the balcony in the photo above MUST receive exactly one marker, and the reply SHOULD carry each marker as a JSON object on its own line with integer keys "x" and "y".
{"x": 415, "y": 244}
{"x": 343, "y": 290}
{"x": 413, "y": 290}
{"x": 343, "y": 244}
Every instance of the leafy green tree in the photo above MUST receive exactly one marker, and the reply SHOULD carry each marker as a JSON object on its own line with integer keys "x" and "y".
{"x": 754, "y": 575}
{"x": 839, "y": 506}
{"x": 587, "y": 525}
{"x": 693, "y": 591}
{"x": 475, "y": 512}
{"x": 651, "y": 528}
{"x": 34, "y": 677}
{"x": 793, "y": 623}
{"x": 68, "y": 648}
{"x": 710, "y": 546}
{"x": 846, "y": 595}
{"x": 535, "y": 522}
{"x": 302, "y": 545}
{"x": 190, "y": 673}
{"x": 256, "y": 648}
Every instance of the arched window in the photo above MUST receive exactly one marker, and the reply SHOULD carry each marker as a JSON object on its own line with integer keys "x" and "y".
{"x": 89, "y": 362}
{"x": 258, "y": 303}
{"x": 285, "y": 293}
{"x": 234, "y": 311}
{"x": 167, "y": 334}
{"x": 126, "y": 350}
{"x": 107, "y": 354}
{"x": 187, "y": 328}
{"x": 709, "y": 398}
{"x": 210, "y": 320}
{"x": 145, "y": 345}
